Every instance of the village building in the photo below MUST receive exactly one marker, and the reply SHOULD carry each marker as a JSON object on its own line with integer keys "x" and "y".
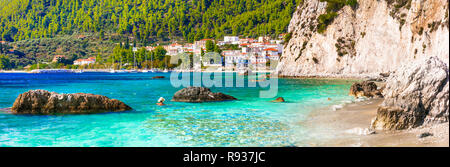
{"x": 258, "y": 61}
{"x": 90, "y": 60}
{"x": 234, "y": 40}
{"x": 202, "y": 43}
{"x": 263, "y": 39}
{"x": 174, "y": 49}
{"x": 271, "y": 54}
{"x": 255, "y": 53}
{"x": 246, "y": 40}
{"x": 150, "y": 48}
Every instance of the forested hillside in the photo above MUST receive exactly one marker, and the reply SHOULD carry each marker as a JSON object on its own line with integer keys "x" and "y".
{"x": 146, "y": 20}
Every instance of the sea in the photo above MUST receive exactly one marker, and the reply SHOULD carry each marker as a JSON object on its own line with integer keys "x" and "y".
{"x": 250, "y": 121}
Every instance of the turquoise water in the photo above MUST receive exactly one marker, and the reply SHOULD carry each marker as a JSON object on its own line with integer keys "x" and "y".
{"x": 250, "y": 121}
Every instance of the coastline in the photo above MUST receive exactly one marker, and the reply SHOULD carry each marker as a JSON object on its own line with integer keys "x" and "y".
{"x": 365, "y": 76}
{"x": 109, "y": 70}
{"x": 348, "y": 127}
{"x": 14, "y": 71}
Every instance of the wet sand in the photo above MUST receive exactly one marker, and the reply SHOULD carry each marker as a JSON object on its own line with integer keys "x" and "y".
{"x": 348, "y": 127}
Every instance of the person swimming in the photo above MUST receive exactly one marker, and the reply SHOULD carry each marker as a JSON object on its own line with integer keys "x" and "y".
{"x": 161, "y": 101}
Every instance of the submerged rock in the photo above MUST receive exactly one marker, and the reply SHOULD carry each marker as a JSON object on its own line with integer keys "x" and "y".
{"x": 278, "y": 100}
{"x": 158, "y": 77}
{"x": 199, "y": 94}
{"x": 366, "y": 89}
{"x": 45, "y": 102}
{"x": 417, "y": 94}
{"x": 426, "y": 134}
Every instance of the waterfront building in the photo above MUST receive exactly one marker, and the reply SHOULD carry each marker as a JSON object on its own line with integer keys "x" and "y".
{"x": 88, "y": 61}
{"x": 174, "y": 49}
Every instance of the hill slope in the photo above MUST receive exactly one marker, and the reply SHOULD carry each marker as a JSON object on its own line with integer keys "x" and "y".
{"x": 147, "y": 20}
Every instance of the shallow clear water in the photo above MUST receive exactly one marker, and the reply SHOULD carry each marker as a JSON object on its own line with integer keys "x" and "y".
{"x": 250, "y": 121}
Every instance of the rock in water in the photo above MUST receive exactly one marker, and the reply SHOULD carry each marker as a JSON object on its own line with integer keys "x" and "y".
{"x": 426, "y": 134}
{"x": 278, "y": 100}
{"x": 417, "y": 94}
{"x": 365, "y": 88}
{"x": 158, "y": 77}
{"x": 45, "y": 102}
{"x": 199, "y": 94}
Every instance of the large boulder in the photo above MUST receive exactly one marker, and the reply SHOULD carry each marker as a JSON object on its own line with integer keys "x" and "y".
{"x": 416, "y": 94}
{"x": 199, "y": 94}
{"x": 366, "y": 89}
{"x": 45, "y": 102}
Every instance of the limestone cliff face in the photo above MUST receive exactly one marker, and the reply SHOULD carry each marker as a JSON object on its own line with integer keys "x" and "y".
{"x": 416, "y": 94}
{"x": 375, "y": 37}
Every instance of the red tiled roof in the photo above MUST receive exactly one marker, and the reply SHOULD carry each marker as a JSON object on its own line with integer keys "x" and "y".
{"x": 175, "y": 44}
{"x": 270, "y": 49}
{"x": 89, "y": 59}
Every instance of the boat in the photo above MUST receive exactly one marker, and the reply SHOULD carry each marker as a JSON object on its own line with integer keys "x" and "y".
{"x": 165, "y": 71}
{"x": 35, "y": 71}
{"x": 120, "y": 71}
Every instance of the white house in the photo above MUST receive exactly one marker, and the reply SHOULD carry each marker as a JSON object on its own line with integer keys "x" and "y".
{"x": 231, "y": 40}
{"x": 258, "y": 61}
{"x": 232, "y": 57}
{"x": 88, "y": 61}
{"x": 174, "y": 49}
{"x": 271, "y": 53}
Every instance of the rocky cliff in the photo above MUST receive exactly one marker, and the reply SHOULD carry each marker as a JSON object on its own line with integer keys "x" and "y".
{"x": 366, "y": 39}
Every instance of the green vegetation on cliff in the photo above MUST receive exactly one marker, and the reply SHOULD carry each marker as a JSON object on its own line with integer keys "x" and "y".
{"x": 145, "y": 20}
{"x": 333, "y": 6}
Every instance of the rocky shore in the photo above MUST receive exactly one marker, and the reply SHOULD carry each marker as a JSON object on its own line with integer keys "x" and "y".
{"x": 411, "y": 109}
{"x": 350, "y": 127}
{"x": 42, "y": 102}
{"x": 415, "y": 95}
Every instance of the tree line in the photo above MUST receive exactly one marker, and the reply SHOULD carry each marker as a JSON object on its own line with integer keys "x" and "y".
{"x": 146, "y": 20}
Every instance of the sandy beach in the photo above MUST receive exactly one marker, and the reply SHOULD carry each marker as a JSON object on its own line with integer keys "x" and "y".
{"x": 348, "y": 127}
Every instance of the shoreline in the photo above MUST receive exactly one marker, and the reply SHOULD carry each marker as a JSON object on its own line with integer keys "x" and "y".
{"x": 109, "y": 70}
{"x": 349, "y": 127}
{"x": 348, "y": 124}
